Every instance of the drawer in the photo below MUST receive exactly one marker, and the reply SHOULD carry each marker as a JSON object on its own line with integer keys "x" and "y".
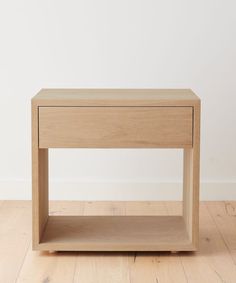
{"x": 115, "y": 127}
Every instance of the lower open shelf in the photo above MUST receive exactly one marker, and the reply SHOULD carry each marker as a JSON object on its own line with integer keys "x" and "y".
{"x": 115, "y": 233}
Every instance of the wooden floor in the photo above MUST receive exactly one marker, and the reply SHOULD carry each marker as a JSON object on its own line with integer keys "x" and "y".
{"x": 214, "y": 262}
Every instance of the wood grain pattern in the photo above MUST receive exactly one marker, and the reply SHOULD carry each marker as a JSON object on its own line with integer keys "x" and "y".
{"x": 115, "y": 97}
{"x": 154, "y": 267}
{"x": 68, "y": 208}
{"x": 42, "y": 267}
{"x": 90, "y": 266}
{"x": 115, "y": 127}
{"x": 115, "y": 119}
{"x": 191, "y": 181}
{"x": 223, "y": 215}
{"x": 107, "y": 233}
{"x": 214, "y": 262}
{"x": 15, "y": 238}
{"x": 39, "y": 182}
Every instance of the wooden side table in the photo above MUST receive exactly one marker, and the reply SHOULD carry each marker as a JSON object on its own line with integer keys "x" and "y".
{"x": 112, "y": 118}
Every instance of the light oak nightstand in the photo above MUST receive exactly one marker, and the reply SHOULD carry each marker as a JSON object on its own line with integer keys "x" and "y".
{"x": 115, "y": 118}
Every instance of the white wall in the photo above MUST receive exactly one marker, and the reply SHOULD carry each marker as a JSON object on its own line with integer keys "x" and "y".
{"x": 128, "y": 44}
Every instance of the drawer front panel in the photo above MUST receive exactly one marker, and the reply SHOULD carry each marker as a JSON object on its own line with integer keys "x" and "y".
{"x": 115, "y": 127}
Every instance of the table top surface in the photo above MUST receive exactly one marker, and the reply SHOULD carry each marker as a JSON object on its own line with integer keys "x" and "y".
{"x": 116, "y": 97}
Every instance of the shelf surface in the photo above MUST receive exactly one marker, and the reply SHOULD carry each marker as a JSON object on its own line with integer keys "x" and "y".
{"x": 115, "y": 233}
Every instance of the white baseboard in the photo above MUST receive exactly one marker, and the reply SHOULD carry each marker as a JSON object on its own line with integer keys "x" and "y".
{"x": 67, "y": 190}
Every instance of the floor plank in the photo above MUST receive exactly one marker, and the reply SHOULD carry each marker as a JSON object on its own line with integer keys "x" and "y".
{"x": 102, "y": 267}
{"x": 57, "y": 267}
{"x": 145, "y": 208}
{"x": 212, "y": 263}
{"x": 44, "y": 267}
{"x": 15, "y": 237}
{"x": 104, "y": 208}
{"x": 66, "y": 208}
{"x": 153, "y": 267}
{"x": 224, "y": 216}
